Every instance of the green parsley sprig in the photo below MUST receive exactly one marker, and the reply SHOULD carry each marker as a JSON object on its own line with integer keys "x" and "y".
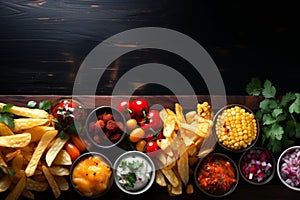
{"x": 279, "y": 116}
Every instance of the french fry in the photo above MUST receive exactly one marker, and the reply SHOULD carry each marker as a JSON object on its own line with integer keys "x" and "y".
{"x": 55, "y": 149}
{"x": 17, "y": 162}
{"x": 190, "y": 189}
{"x": 18, "y": 189}
{"x": 5, "y": 182}
{"x": 55, "y": 188}
{"x": 179, "y": 113}
{"x": 169, "y": 126}
{"x": 12, "y": 155}
{"x": 2, "y": 160}
{"x": 62, "y": 183}
{"x": 5, "y": 130}
{"x": 26, "y": 112}
{"x": 165, "y": 145}
{"x": 63, "y": 158}
{"x": 160, "y": 179}
{"x": 36, "y": 185}
{"x": 13, "y": 141}
{"x": 27, "y": 194}
{"x": 171, "y": 176}
{"x": 199, "y": 129}
{"x": 59, "y": 171}
{"x": 38, "y": 131}
{"x": 42, "y": 145}
{"x": 183, "y": 168}
{"x": 27, "y": 123}
{"x": 190, "y": 116}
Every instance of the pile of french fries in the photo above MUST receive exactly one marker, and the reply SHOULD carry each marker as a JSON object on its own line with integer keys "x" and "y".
{"x": 34, "y": 152}
{"x": 180, "y": 149}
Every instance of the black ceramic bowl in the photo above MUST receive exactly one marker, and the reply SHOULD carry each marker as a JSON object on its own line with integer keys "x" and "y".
{"x": 257, "y": 165}
{"x": 105, "y": 127}
{"x": 91, "y": 174}
{"x": 216, "y": 175}
{"x": 236, "y": 128}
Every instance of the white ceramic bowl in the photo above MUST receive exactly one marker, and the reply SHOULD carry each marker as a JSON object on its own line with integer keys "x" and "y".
{"x": 286, "y": 155}
{"x": 119, "y": 174}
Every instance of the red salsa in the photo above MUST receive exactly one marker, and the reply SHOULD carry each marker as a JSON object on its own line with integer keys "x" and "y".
{"x": 216, "y": 175}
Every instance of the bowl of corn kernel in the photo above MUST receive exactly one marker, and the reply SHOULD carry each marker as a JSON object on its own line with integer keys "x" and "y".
{"x": 236, "y": 128}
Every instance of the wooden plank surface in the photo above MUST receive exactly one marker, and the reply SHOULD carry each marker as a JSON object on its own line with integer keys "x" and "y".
{"x": 273, "y": 190}
{"x": 164, "y": 100}
{"x": 43, "y": 43}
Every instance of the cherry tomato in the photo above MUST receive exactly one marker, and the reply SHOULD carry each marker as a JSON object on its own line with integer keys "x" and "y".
{"x": 149, "y": 137}
{"x": 140, "y": 108}
{"x": 124, "y": 108}
{"x": 152, "y": 147}
{"x": 136, "y": 134}
{"x": 62, "y": 106}
{"x": 131, "y": 124}
{"x": 140, "y": 145}
{"x": 154, "y": 120}
{"x": 72, "y": 150}
{"x": 145, "y": 126}
{"x": 78, "y": 142}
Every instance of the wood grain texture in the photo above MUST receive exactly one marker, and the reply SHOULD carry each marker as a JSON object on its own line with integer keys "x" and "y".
{"x": 273, "y": 190}
{"x": 43, "y": 43}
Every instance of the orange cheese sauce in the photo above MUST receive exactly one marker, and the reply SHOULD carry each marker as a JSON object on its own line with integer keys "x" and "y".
{"x": 91, "y": 176}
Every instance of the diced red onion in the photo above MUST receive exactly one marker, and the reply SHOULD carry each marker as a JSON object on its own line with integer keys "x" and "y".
{"x": 256, "y": 166}
{"x": 290, "y": 168}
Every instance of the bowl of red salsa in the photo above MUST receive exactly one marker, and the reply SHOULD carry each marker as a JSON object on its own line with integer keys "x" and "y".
{"x": 216, "y": 175}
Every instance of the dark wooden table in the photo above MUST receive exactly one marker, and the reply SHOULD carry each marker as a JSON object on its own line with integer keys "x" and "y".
{"x": 272, "y": 190}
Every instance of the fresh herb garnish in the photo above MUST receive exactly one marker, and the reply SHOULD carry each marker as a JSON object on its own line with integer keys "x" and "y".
{"x": 43, "y": 105}
{"x": 279, "y": 116}
{"x": 130, "y": 180}
{"x": 6, "y": 117}
{"x": 134, "y": 165}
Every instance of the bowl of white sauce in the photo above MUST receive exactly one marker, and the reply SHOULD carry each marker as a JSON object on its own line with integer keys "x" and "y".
{"x": 134, "y": 172}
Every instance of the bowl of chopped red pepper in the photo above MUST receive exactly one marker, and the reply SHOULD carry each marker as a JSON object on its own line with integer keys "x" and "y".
{"x": 105, "y": 127}
{"x": 216, "y": 175}
{"x": 288, "y": 167}
{"x": 257, "y": 166}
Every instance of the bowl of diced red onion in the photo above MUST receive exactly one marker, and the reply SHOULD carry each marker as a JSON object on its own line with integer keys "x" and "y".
{"x": 257, "y": 165}
{"x": 288, "y": 167}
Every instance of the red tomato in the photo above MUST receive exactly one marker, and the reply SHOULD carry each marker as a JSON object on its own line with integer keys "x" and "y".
{"x": 124, "y": 107}
{"x": 72, "y": 150}
{"x": 149, "y": 137}
{"x": 154, "y": 120}
{"x": 78, "y": 142}
{"x": 152, "y": 147}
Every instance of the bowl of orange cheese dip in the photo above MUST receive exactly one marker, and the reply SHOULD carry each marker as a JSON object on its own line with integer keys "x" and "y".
{"x": 91, "y": 174}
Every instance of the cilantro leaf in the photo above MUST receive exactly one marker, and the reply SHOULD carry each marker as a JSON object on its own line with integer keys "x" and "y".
{"x": 269, "y": 90}
{"x": 295, "y": 106}
{"x": 287, "y": 98}
{"x": 7, "y": 119}
{"x": 45, "y": 105}
{"x": 6, "y": 108}
{"x": 268, "y": 119}
{"x": 276, "y": 131}
{"x": 254, "y": 87}
{"x": 267, "y": 105}
{"x": 134, "y": 165}
{"x": 130, "y": 180}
